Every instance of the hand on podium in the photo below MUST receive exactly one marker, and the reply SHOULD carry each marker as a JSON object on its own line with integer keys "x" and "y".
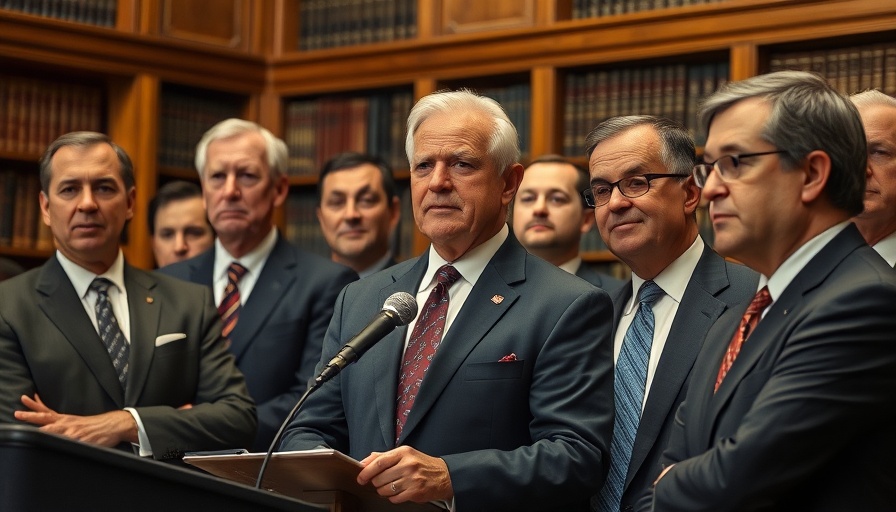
{"x": 405, "y": 474}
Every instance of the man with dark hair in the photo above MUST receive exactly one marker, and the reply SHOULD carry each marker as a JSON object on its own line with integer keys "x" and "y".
{"x": 102, "y": 352}
{"x": 498, "y": 395}
{"x": 550, "y": 216}
{"x": 177, "y": 223}
{"x": 791, "y": 401}
{"x": 644, "y": 202}
{"x": 275, "y": 298}
{"x": 358, "y": 210}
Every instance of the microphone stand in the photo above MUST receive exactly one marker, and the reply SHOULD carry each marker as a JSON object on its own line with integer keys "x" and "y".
{"x": 267, "y": 457}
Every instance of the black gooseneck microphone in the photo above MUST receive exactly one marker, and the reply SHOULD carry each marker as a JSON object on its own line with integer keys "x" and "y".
{"x": 399, "y": 309}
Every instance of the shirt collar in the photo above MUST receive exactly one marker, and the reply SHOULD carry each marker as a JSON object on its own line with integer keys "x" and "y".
{"x": 674, "y": 278}
{"x": 887, "y": 248}
{"x": 470, "y": 265}
{"x": 253, "y": 260}
{"x": 81, "y": 278}
{"x": 788, "y": 270}
{"x": 572, "y": 266}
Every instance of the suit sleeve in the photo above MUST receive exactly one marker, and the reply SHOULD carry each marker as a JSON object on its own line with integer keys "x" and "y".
{"x": 835, "y": 373}
{"x": 15, "y": 378}
{"x": 271, "y": 413}
{"x": 223, "y": 414}
{"x": 324, "y": 422}
{"x": 571, "y": 403}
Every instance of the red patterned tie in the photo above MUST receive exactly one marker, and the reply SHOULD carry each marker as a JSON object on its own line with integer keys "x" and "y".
{"x": 229, "y": 309}
{"x": 424, "y": 342}
{"x": 747, "y": 324}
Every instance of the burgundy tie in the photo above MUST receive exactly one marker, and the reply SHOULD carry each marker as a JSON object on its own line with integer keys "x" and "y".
{"x": 424, "y": 342}
{"x": 747, "y": 324}
{"x": 229, "y": 309}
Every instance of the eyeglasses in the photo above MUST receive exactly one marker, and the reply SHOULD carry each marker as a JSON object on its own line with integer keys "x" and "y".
{"x": 726, "y": 165}
{"x": 631, "y": 187}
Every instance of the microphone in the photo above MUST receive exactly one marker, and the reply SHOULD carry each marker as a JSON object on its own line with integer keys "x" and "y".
{"x": 399, "y": 309}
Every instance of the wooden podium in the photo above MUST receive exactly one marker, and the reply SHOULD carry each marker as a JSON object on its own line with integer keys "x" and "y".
{"x": 40, "y": 471}
{"x": 321, "y": 476}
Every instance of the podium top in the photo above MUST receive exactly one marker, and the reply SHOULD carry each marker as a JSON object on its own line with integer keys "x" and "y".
{"x": 305, "y": 475}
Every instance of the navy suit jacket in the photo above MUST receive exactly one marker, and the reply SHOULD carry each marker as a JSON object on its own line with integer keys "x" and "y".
{"x": 804, "y": 418}
{"x": 528, "y": 434}
{"x": 715, "y": 286}
{"x": 49, "y": 346}
{"x": 608, "y": 283}
{"x": 277, "y": 340}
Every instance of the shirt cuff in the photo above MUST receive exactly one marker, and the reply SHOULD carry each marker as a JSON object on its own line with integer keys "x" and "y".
{"x": 144, "y": 448}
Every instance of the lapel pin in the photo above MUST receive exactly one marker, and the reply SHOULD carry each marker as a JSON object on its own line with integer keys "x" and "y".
{"x": 497, "y": 299}
{"x": 149, "y": 300}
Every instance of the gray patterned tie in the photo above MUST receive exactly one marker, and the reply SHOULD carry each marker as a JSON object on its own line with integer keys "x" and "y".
{"x": 630, "y": 379}
{"x": 109, "y": 331}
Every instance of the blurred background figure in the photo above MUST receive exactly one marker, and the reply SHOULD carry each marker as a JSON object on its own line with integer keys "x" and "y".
{"x": 358, "y": 210}
{"x": 177, "y": 223}
{"x": 550, "y": 216}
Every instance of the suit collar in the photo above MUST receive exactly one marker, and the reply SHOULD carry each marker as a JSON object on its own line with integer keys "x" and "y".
{"x": 277, "y": 275}
{"x": 699, "y": 309}
{"x": 475, "y": 319}
{"x": 813, "y": 274}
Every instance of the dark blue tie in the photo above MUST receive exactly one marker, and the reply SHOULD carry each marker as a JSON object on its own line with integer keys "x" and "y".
{"x": 109, "y": 330}
{"x": 630, "y": 378}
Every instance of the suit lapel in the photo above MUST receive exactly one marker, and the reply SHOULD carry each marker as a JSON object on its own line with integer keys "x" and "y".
{"x": 277, "y": 275}
{"x": 769, "y": 329}
{"x": 698, "y": 311}
{"x": 387, "y": 354}
{"x": 144, "y": 313}
{"x": 63, "y": 307}
{"x": 474, "y": 320}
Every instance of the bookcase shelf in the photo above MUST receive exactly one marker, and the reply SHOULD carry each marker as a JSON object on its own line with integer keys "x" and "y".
{"x": 554, "y": 51}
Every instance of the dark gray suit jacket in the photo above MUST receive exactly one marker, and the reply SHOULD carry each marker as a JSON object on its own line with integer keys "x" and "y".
{"x": 715, "y": 286}
{"x": 277, "y": 340}
{"x": 804, "y": 419}
{"x": 48, "y": 345}
{"x": 529, "y": 434}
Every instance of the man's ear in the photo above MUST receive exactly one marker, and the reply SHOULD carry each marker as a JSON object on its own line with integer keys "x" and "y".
{"x": 818, "y": 171}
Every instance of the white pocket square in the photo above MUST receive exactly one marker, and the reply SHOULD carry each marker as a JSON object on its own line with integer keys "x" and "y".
{"x": 168, "y": 338}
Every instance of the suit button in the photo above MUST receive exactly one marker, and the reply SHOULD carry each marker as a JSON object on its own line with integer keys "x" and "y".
{"x": 628, "y": 508}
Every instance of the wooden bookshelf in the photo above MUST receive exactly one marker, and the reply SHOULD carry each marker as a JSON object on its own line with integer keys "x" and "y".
{"x": 252, "y": 49}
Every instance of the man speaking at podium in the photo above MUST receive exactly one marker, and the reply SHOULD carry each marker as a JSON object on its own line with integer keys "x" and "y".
{"x": 498, "y": 396}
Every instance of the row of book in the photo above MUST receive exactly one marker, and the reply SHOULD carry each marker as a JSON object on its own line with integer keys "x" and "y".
{"x": 850, "y": 70}
{"x": 91, "y": 12}
{"x": 303, "y": 228}
{"x": 599, "y": 8}
{"x": 517, "y": 102}
{"x": 670, "y": 90}
{"x": 333, "y": 23}
{"x": 318, "y": 129}
{"x": 186, "y": 114}
{"x": 21, "y": 224}
{"x": 34, "y": 112}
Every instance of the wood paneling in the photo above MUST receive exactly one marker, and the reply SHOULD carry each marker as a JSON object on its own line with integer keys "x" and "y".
{"x": 464, "y": 16}
{"x": 223, "y": 23}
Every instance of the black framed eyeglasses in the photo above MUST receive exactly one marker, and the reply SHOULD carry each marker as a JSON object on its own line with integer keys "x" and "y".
{"x": 726, "y": 166}
{"x": 633, "y": 186}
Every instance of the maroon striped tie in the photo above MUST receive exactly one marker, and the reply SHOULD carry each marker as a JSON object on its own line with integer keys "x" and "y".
{"x": 747, "y": 324}
{"x": 424, "y": 341}
{"x": 229, "y": 309}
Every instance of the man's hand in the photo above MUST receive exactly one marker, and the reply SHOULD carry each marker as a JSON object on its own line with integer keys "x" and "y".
{"x": 107, "y": 429}
{"x": 405, "y": 474}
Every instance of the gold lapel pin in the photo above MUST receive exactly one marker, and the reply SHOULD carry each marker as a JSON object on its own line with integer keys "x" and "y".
{"x": 149, "y": 300}
{"x": 497, "y": 299}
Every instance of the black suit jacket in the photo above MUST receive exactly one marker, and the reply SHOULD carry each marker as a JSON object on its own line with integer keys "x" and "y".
{"x": 528, "y": 434}
{"x": 48, "y": 345}
{"x": 804, "y": 419}
{"x": 277, "y": 340}
{"x": 715, "y": 286}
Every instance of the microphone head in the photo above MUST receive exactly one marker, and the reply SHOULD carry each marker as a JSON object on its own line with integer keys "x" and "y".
{"x": 404, "y": 305}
